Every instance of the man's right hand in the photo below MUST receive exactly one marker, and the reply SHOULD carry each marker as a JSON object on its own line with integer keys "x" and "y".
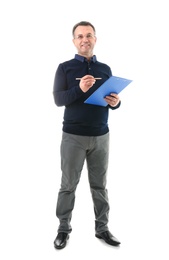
{"x": 86, "y": 82}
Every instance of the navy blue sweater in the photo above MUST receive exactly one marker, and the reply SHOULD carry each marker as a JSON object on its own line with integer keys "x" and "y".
{"x": 80, "y": 118}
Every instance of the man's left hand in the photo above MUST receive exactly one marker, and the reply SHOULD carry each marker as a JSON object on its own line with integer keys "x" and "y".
{"x": 112, "y": 100}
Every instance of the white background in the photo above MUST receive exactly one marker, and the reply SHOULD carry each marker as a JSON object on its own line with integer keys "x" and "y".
{"x": 132, "y": 39}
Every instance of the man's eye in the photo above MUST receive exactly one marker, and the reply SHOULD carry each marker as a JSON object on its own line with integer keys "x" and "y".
{"x": 80, "y": 37}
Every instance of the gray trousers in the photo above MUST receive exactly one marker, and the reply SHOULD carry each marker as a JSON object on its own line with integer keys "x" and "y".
{"x": 74, "y": 151}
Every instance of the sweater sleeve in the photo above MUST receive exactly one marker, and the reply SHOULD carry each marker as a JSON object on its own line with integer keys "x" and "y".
{"x": 63, "y": 95}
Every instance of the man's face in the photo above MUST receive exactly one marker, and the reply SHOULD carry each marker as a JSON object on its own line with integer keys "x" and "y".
{"x": 84, "y": 40}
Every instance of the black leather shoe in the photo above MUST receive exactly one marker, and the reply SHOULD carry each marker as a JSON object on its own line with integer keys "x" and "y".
{"x": 61, "y": 240}
{"x": 108, "y": 238}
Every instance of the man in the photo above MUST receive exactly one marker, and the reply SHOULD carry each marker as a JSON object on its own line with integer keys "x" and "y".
{"x": 85, "y": 133}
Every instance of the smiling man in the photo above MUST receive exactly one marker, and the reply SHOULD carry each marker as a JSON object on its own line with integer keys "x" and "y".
{"x": 85, "y": 135}
{"x": 84, "y": 40}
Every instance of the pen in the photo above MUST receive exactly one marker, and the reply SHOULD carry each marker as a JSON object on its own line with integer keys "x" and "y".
{"x": 80, "y": 78}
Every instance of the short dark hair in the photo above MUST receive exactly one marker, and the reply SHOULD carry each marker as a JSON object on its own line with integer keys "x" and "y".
{"x": 83, "y": 23}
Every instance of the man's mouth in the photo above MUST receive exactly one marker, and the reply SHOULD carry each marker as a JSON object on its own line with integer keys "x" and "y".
{"x": 85, "y": 45}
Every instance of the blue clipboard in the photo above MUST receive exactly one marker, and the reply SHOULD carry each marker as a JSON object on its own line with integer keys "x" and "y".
{"x": 112, "y": 85}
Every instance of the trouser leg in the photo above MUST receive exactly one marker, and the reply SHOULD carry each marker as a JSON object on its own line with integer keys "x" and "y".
{"x": 72, "y": 161}
{"x": 97, "y": 163}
